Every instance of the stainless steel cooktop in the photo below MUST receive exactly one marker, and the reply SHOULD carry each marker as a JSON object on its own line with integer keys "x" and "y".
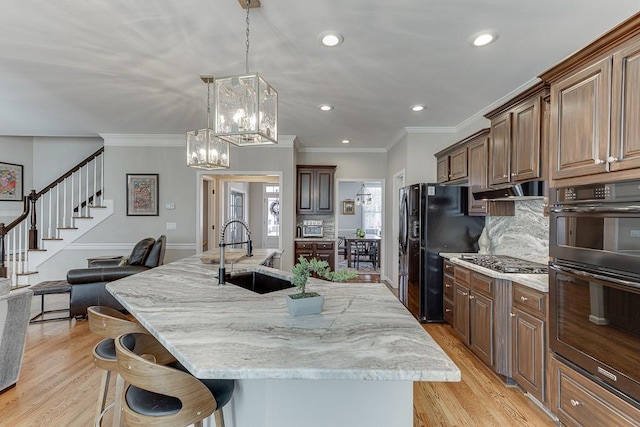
{"x": 506, "y": 264}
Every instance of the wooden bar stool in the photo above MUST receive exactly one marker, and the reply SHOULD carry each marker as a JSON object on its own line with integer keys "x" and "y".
{"x": 160, "y": 395}
{"x": 110, "y": 324}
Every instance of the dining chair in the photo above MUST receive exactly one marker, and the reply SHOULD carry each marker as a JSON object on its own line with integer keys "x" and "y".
{"x": 159, "y": 391}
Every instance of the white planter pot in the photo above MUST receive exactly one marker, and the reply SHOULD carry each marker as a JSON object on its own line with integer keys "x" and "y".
{"x": 305, "y": 306}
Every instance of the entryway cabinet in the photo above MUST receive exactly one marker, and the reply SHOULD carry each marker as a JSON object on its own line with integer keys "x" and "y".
{"x": 315, "y": 188}
{"x": 595, "y": 110}
{"x": 322, "y": 250}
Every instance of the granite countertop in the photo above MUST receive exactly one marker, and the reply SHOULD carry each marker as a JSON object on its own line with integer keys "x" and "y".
{"x": 363, "y": 333}
{"x": 539, "y": 282}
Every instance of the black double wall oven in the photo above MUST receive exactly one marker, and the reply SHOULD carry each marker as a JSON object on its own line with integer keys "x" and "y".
{"x": 594, "y": 283}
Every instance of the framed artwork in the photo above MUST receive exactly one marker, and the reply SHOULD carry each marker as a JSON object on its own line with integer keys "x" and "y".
{"x": 348, "y": 207}
{"x": 10, "y": 182}
{"x": 142, "y": 194}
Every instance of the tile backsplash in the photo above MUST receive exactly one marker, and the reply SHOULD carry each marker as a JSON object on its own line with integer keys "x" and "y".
{"x": 525, "y": 235}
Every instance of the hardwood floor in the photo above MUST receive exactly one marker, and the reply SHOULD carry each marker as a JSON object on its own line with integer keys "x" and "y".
{"x": 58, "y": 385}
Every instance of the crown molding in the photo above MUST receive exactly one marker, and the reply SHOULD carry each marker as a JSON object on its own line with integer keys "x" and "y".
{"x": 169, "y": 140}
{"x": 342, "y": 150}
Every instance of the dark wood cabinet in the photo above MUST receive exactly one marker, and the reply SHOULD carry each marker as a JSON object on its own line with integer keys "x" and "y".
{"x": 452, "y": 163}
{"x": 529, "y": 348}
{"x": 576, "y": 401}
{"x": 473, "y": 312}
{"x": 448, "y": 283}
{"x": 478, "y": 162}
{"x": 315, "y": 188}
{"x": 320, "y": 249}
{"x": 516, "y": 147}
{"x": 500, "y": 150}
{"x": 595, "y": 104}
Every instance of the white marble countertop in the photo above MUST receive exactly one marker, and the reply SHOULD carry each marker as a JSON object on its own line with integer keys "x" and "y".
{"x": 363, "y": 333}
{"x": 539, "y": 282}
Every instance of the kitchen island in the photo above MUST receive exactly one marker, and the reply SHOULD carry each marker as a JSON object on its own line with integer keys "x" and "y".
{"x": 352, "y": 365}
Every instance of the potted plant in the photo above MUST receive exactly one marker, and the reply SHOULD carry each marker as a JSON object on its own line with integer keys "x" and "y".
{"x": 360, "y": 233}
{"x": 304, "y": 302}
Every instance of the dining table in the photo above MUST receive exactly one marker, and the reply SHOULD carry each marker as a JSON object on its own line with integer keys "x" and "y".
{"x": 371, "y": 239}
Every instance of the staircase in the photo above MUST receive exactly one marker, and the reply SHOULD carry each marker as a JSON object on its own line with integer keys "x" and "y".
{"x": 52, "y": 219}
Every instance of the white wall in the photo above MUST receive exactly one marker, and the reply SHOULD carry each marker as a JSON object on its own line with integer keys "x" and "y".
{"x": 53, "y": 157}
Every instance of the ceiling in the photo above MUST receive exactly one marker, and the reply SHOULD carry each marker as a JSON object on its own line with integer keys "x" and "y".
{"x": 83, "y": 68}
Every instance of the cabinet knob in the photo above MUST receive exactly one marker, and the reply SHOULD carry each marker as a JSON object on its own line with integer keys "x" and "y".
{"x": 513, "y": 174}
{"x": 575, "y": 402}
{"x": 523, "y": 299}
{"x": 471, "y": 297}
{"x": 447, "y": 310}
{"x": 464, "y": 294}
{"x": 447, "y": 286}
{"x": 612, "y": 159}
{"x": 598, "y": 161}
{"x": 512, "y": 314}
{"x": 505, "y": 176}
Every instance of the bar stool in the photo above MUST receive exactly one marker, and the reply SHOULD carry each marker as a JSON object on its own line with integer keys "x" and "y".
{"x": 108, "y": 323}
{"x": 162, "y": 395}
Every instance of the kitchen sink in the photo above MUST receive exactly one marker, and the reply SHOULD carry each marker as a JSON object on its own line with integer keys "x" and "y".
{"x": 258, "y": 282}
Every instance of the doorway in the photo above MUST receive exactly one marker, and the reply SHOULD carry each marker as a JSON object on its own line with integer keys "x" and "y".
{"x": 357, "y": 211}
{"x": 240, "y": 195}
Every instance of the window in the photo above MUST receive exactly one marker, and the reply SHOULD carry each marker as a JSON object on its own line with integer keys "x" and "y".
{"x": 372, "y": 213}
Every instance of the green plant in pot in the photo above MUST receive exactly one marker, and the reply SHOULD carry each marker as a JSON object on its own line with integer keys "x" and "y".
{"x": 305, "y": 302}
{"x": 360, "y": 233}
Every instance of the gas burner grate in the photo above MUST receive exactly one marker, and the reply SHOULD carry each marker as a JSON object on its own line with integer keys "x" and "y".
{"x": 506, "y": 264}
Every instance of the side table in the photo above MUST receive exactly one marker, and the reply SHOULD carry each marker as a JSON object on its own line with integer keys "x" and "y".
{"x": 49, "y": 288}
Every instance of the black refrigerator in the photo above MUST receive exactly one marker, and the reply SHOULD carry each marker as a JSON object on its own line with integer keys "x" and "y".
{"x": 433, "y": 219}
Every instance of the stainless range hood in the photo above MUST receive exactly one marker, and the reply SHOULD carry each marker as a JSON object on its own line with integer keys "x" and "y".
{"x": 521, "y": 191}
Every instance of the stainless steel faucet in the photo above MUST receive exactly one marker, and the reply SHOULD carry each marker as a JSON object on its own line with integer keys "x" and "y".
{"x": 222, "y": 244}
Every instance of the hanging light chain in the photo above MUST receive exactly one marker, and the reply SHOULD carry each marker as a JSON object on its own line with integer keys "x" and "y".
{"x": 208, "y": 104}
{"x": 246, "y": 60}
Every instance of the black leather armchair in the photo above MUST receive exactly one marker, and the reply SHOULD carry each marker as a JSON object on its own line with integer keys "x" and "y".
{"x": 88, "y": 284}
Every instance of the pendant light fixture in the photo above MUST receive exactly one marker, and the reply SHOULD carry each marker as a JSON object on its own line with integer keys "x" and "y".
{"x": 364, "y": 196}
{"x": 204, "y": 149}
{"x": 246, "y": 105}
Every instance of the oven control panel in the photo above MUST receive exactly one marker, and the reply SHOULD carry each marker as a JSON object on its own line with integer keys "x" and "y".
{"x": 624, "y": 191}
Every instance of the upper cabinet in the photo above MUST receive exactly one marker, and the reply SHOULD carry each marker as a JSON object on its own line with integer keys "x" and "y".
{"x": 452, "y": 163}
{"x": 315, "y": 188}
{"x": 595, "y": 110}
{"x": 517, "y": 138}
{"x": 478, "y": 160}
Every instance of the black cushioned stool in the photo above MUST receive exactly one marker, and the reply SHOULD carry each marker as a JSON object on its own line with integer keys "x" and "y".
{"x": 49, "y": 288}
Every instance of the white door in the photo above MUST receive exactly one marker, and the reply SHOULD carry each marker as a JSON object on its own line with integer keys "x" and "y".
{"x": 271, "y": 226}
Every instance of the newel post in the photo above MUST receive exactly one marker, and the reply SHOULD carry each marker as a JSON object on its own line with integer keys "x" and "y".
{"x": 33, "y": 231}
{"x": 3, "y": 268}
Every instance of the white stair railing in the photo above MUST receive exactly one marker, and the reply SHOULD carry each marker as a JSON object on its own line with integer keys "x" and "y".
{"x": 49, "y": 211}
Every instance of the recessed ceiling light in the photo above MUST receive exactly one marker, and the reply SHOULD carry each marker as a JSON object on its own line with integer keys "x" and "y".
{"x": 418, "y": 107}
{"x": 331, "y": 38}
{"x": 483, "y": 39}
{"x": 325, "y": 107}
{"x": 345, "y": 141}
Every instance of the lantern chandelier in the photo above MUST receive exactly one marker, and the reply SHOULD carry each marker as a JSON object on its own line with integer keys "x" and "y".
{"x": 246, "y": 106}
{"x": 204, "y": 149}
{"x": 364, "y": 196}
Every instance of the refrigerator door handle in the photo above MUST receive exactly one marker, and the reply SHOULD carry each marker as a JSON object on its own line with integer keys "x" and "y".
{"x": 404, "y": 224}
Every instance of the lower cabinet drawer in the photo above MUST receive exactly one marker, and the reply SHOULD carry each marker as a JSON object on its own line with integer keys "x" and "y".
{"x": 448, "y": 286}
{"x": 582, "y": 402}
{"x": 448, "y": 311}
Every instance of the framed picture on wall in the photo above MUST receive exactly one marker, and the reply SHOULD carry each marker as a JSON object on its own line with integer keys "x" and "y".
{"x": 10, "y": 182}
{"x": 142, "y": 194}
{"x": 348, "y": 207}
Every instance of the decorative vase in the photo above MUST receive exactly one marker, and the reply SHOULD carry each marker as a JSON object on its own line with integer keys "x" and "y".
{"x": 305, "y": 306}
